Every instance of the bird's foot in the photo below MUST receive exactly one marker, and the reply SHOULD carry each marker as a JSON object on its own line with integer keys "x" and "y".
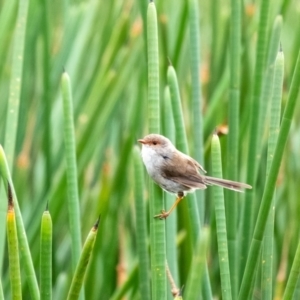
{"x": 163, "y": 215}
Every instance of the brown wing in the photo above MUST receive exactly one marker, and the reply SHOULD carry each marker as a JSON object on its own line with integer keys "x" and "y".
{"x": 198, "y": 166}
{"x": 184, "y": 170}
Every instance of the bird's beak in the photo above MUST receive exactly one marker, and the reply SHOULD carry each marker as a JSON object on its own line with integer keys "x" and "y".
{"x": 142, "y": 141}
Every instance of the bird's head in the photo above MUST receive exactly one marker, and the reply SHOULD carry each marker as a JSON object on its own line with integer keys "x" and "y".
{"x": 155, "y": 141}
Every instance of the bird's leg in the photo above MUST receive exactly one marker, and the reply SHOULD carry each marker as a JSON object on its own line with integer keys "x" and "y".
{"x": 165, "y": 214}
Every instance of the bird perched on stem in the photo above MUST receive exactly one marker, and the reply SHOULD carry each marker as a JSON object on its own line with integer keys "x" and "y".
{"x": 176, "y": 172}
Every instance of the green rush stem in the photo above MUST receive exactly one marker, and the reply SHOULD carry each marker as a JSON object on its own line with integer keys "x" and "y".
{"x": 220, "y": 220}
{"x": 255, "y": 134}
{"x": 70, "y": 153}
{"x": 231, "y": 198}
{"x": 266, "y": 202}
{"x": 157, "y": 227}
{"x": 46, "y": 257}
{"x": 196, "y": 95}
{"x": 268, "y": 242}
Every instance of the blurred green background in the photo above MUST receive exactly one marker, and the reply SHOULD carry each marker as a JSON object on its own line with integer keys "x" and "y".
{"x": 102, "y": 46}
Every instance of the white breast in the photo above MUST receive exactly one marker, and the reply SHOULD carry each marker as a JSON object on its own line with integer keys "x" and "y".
{"x": 152, "y": 161}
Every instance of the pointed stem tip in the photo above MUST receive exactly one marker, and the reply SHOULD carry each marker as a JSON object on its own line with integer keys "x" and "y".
{"x": 97, "y": 223}
{"x": 9, "y": 195}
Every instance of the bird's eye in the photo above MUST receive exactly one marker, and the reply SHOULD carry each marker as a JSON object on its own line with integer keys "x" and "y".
{"x": 154, "y": 143}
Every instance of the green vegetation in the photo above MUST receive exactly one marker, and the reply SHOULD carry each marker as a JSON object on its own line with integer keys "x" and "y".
{"x": 81, "y": 82}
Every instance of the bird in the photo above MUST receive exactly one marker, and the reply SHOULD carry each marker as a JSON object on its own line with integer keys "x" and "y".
{"x": 176, "y": 172}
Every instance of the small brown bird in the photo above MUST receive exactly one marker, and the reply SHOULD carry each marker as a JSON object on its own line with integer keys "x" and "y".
{"x": 176, "y": 172}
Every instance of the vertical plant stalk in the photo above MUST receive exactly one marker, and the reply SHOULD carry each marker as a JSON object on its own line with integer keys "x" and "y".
{"x": 141, "y": 225}
{"x": 47, "y": 90}
{"x": 182, "y": 145}
{"x": 70, "y": 152}
{"x": 193, "y": 288}
{"x": 181, "y": 32}
{"x": 197, "y": 118}
{"x": 216, "y": 24}
{"x": 7, "y": 21}
{"x": 22, "y": 238}
{"x": 293, "y": 277}
{"x": 231, "y": 198}
{"x": 181, "y": 139}
{"x": 255, "y": 133}
{"x": 12, "y": 115}
{"x": 13, "y": 249}
{"x": 220, "y": 219}
{"x": 214, "y": 104}
{"x": 171, "y": 224}
{"x": 267, "y": 253}
{"x": 269, "y": 74}
{"x": 195, "y": 71}
{"x": 153, "y": 70}
{"x": 266, "y": 202}
{"x": 82, "y": 265}
{"x": 61, "y": 287}
{"x": 46, "y": 256}
{"x": 3, "y": 214}
{"x": 143, "y": 9}
{"x": 1, "y": 291}
{"x": 157, "y": 227}
{"x": 196, "y": 93}
{"x": 16, "y": 82}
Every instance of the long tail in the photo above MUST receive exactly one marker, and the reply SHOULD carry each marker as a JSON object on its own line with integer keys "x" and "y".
{"x": 228, "y": 184}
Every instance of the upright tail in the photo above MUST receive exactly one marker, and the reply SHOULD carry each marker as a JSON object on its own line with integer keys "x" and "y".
{"x": 228, "y": 184}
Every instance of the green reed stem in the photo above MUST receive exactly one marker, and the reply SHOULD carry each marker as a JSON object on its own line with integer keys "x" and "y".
{"x": 141, "y": 225}
{"x": 13, "y": 249}
{"x": 220, "y": 219}
{"x": 46, "y": 257}
{"x": 70, "y": 152}
{"x": 182, "y": 145}
{"x": 82, "y": 265}
{"x": 181, "y": 139}
{"x": 293, "y": 277}
{"x": 12, "y": 115}
{"x": 233, "y": 139}
{"x": 157, "y": 227}
{"x": 1, "y": 291}
{"x": 255, "y": 133}
{"x": 22, "y": 238}
{"x": 153, "y": 70}
{"x": 267, "y": 250}
{"x": 171, "y": 225}
{"x": 194, "y": 44}
{"x": 266, "y": 202}
{"x": 47, "y": 93}
{"x": 193, "y": 288}
{"x": 195, "y": 71}
{"x": 16, "y": 82}
{"x": 198, "y": 197}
